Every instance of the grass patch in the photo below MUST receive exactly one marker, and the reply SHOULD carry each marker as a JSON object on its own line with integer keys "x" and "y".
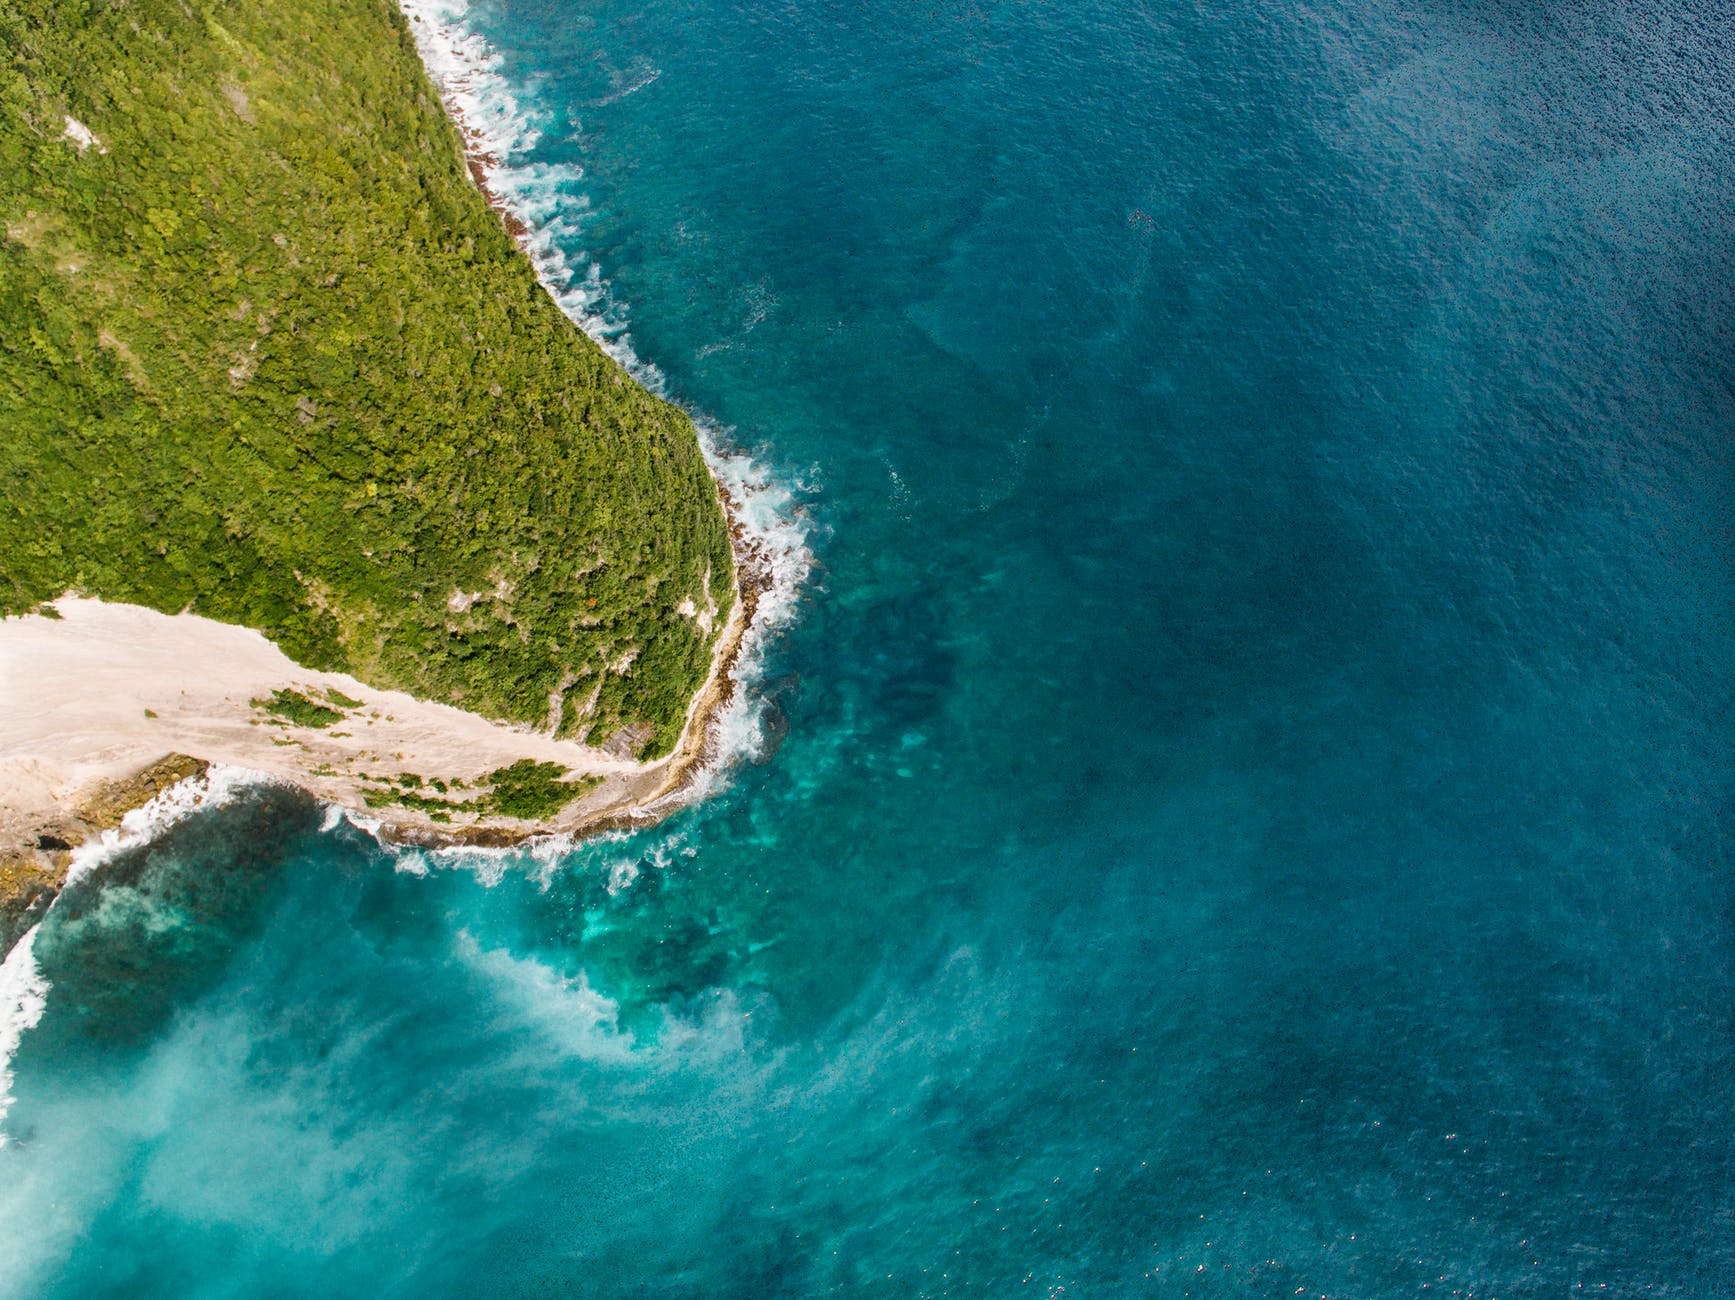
{"x": 393, "y": 796}
{"x": 532, "y": 790}
{"x": 295, "y": 708}
{"x": 526, "y": 789}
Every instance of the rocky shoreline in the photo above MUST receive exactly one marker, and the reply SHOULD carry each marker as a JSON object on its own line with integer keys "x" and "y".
{"x": 33, "y": 871}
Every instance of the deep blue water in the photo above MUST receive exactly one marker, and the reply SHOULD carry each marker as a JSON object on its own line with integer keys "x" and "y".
{"x": 1256, "y": 810}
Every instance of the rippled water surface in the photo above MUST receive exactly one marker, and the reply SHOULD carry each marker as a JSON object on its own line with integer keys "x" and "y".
{"x": 1252, "y": 810}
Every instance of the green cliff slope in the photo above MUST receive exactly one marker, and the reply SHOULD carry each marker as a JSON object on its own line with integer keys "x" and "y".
{"x": 265, "y": 352}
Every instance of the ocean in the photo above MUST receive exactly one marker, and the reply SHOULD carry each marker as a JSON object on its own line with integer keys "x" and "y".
{"x": 1235, "y": 799}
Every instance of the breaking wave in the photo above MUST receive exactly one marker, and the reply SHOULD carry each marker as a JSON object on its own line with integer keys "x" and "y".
{"x": 24, "y": 988}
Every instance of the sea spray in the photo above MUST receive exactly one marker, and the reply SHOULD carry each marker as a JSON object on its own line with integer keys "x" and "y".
{"x": 218, "y": 787}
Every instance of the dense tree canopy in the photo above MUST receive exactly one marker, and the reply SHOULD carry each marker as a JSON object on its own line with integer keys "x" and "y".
{"x": 266, "y": 353}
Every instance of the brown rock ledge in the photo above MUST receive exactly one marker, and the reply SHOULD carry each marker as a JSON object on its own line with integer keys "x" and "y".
{"x": 33, "y": 864}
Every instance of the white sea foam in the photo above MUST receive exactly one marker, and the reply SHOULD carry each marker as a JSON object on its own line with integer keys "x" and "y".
{"x": 219, "y": 786}
{"x": 614, "y": 855}
{"x": 624, "y": 868}
{"x": 550, "y": 1011}
{"x": 23, "y": 988}
{"x": 23, "y": 998}
{"x": 583, "y": 1021}
{"x": 546, "y": 198}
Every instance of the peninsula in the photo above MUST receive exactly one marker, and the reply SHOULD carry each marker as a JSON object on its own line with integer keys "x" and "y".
{"x": 305, "y": 471}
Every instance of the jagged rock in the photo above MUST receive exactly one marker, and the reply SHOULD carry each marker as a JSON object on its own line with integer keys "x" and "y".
{"x": 104, "y": 807}
{"x": 28, "y": 884}
{"x": 32, "y": 873}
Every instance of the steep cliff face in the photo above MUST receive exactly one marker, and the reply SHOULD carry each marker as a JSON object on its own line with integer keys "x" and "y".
{"x": 266, "y": 353}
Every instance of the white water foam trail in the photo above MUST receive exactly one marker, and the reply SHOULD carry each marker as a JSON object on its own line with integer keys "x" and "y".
{"x": 546, "y": 199}
{"x": 541, "y": 859}
{"x": 23, "y": 988}
{"x": 23, "y": 998}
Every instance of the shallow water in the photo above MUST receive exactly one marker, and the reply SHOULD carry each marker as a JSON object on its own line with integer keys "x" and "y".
{"x": 1253, "y": 811}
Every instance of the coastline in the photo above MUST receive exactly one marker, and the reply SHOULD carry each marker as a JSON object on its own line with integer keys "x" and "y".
{"x": 771, "y": 559}
{"x": 451, "y": 74}
{"x": 124, "y": 702}
{"x": 106, "y": 707}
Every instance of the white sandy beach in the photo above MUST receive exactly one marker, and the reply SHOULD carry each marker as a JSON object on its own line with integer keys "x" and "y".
{"x": 95, "y": 695}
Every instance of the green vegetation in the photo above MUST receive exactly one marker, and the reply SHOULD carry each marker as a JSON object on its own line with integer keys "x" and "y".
{"x": 340, "y": 700}
{"x": 533, "y": 790}
{"x": 296, "y": 708}
{"x": 527, "y": 789}
{"x": 389, "y": 796}
{"x": 266, "y": 353}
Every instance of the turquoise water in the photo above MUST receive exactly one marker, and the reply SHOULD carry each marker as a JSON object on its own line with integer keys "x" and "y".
{"x": 1244, "y": 802}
